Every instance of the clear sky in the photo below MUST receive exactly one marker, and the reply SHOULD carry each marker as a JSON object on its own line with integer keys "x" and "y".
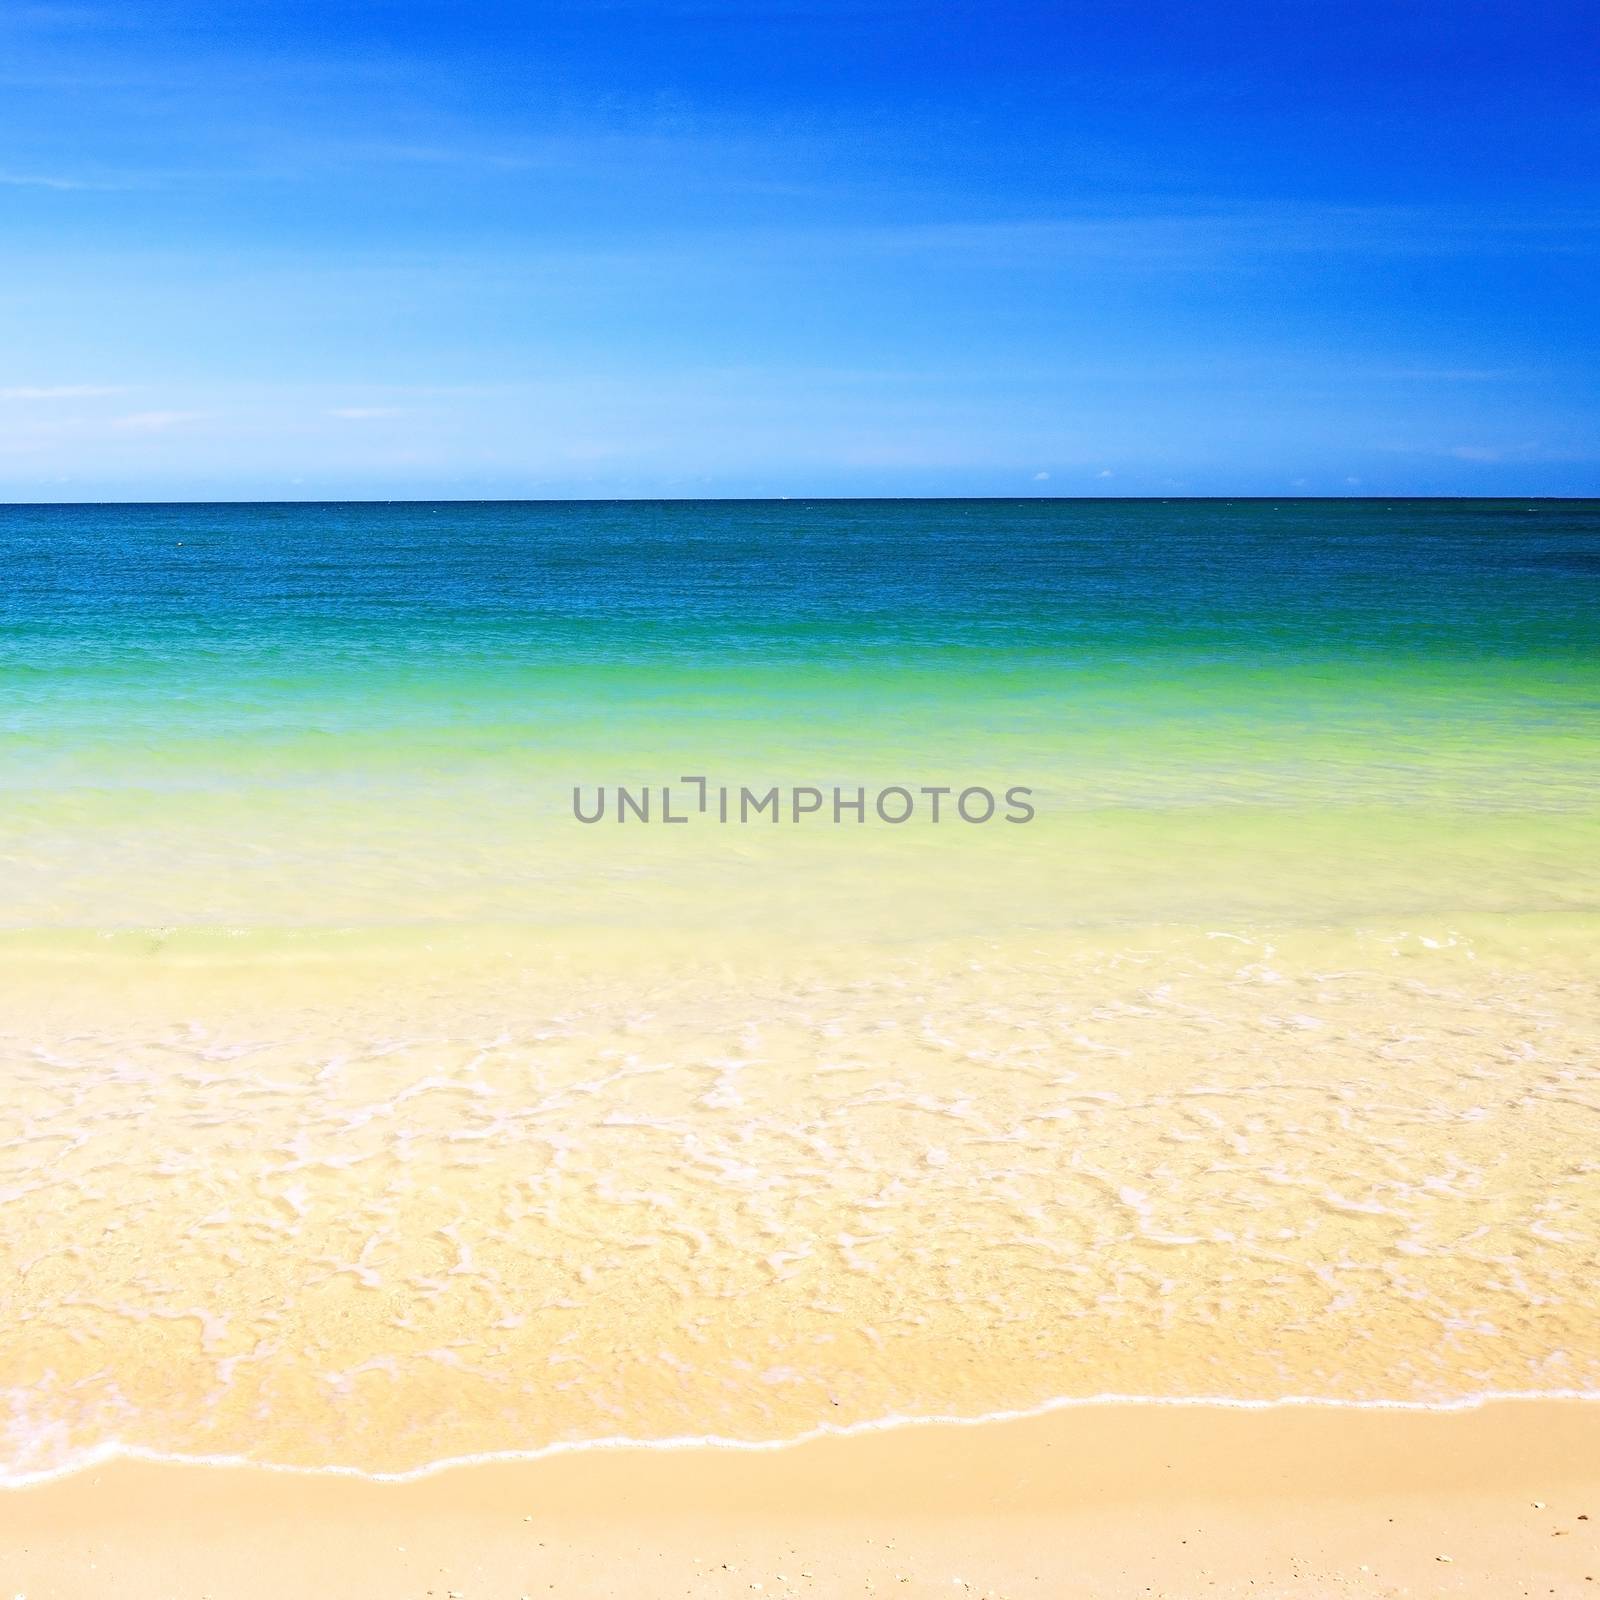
{"x": 313, "y": 250}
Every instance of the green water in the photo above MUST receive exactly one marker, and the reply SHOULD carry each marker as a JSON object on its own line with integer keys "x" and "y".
{"x": 361, "y": 715}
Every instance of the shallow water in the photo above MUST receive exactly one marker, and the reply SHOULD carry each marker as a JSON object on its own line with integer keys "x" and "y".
{"x": 367, "y": 1110}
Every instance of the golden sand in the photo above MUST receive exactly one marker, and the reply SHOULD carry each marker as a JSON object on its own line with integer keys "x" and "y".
{"x": 424, "y": 1205}
{"x": 1096, "y": 1503}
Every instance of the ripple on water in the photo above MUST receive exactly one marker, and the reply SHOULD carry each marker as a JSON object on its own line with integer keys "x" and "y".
{"x": 446, "y": 1212}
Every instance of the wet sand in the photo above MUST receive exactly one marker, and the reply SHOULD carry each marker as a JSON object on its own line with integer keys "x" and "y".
{"x": 1097, "y": 1501}
{"x": 387, "y": 1209}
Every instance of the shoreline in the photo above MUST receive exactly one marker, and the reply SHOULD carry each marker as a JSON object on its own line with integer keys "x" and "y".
{"x": 1093, "y": 1500}
{"x": 115, "y": 1454}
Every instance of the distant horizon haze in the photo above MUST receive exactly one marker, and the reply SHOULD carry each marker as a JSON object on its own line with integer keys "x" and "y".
{"x": 777, "y": 499}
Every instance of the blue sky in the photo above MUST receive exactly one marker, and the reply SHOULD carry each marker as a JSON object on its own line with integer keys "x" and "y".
{"x": 303, "y": 250}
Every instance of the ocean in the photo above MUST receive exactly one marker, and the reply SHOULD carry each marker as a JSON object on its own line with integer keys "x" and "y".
{"x": 368, "y": 1108}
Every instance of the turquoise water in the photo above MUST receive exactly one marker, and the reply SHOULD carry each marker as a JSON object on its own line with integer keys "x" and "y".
{"x": 315, "y": 714}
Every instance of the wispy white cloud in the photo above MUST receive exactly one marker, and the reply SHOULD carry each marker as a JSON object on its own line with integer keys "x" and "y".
{"x": 1202, "y": 235}
{"x": 38, "y": 180}
{"x": 64, "y": 182}
{"x": 1523, "y": 453}
{"x": 363, "y": 413}
{"x": 61, "y": 391}
{"x": 66, "y": 16}
{"x": 155, "y": 421}
{"x": 1446, "y": 374}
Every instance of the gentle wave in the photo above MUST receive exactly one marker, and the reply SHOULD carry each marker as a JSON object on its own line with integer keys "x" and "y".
{"x": 106, "y": 1454}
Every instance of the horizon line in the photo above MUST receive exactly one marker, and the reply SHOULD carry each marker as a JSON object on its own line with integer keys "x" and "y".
{"x": 805, "y": 499}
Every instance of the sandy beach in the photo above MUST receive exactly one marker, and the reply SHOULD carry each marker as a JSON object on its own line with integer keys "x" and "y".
{"x": 1094, "y": 1501}
{"x": 367, "y": 1111}
{"x": 799, "y": 800}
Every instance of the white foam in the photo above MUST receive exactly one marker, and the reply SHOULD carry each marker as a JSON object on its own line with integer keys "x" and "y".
{"x": 113, "y": 1450}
